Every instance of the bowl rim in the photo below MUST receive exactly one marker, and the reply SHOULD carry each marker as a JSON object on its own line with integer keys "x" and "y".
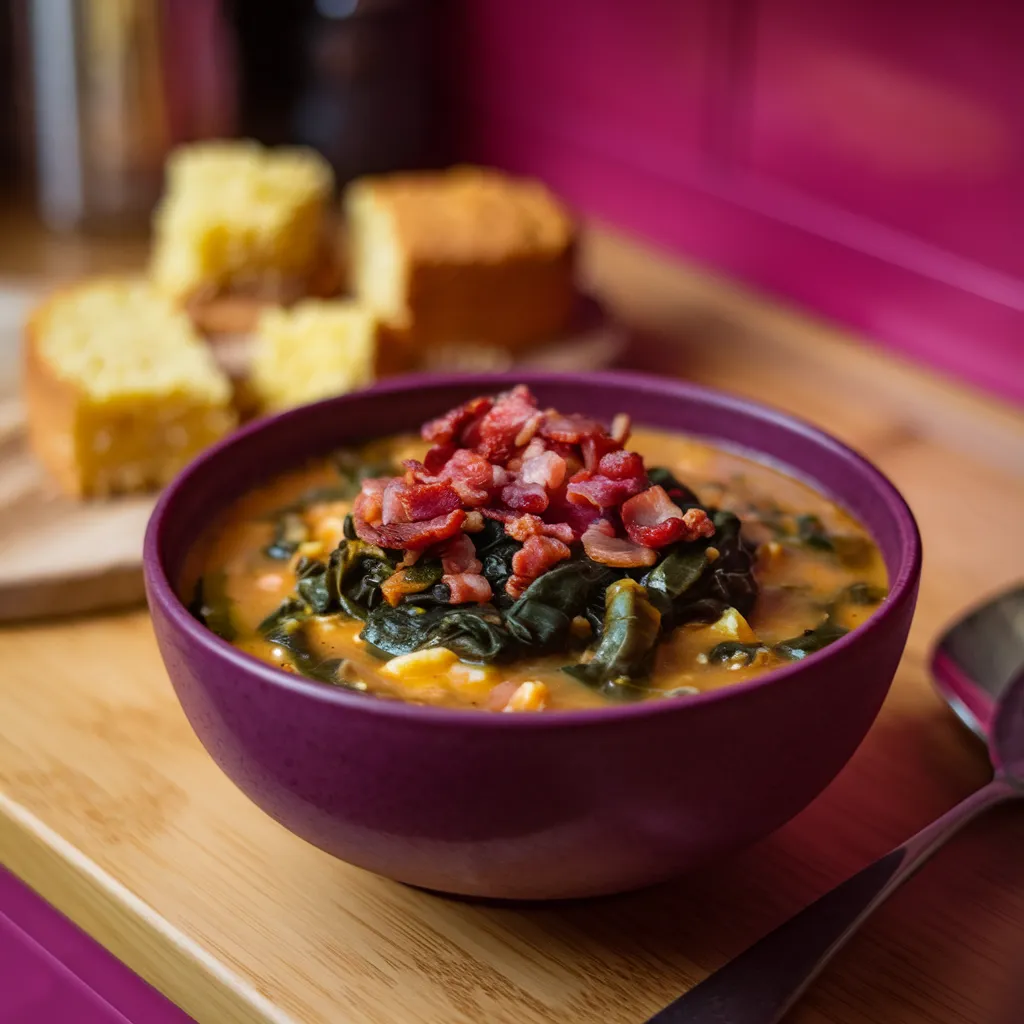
{"x": 161, "y": 591}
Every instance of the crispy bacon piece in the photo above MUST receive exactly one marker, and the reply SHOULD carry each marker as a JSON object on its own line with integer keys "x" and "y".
{"x": 601, "y": 544}
{"x": 502, "y": 515}
{"x": 449, "y": 427}
{"x": 500, "y": 427}
{"x": 436, "y": 458}
{"x": 528, "y": 525}
{"x": 459, "y": 555}
{"x": 467, "y": 588}
{"x": 570, "y": 429}
{"x": 471, "y": 476}
{"x": 577, "y": 517}
{"x": 368, "y": 505}
{"x": 402, "y": 536}
{"x": 622, "y": 427}
{"x": 602, "y": 492}
{"x": 594, "y": 448}
{"x": 621, "y": 465}
{"x": 405, "y": 502}
{"x": 535, "y": 557}
{"x": 528, "y": 429}
{"x": 653, "y": 519}
{"x": 525, "y": 497}
{"x": 546, "y": 469}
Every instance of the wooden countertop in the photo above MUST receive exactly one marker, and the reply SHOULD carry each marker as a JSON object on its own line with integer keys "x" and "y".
{"x": 110, "y": 808}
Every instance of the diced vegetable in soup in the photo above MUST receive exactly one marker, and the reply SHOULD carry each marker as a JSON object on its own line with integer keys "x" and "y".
{"x": 518, "y": 559}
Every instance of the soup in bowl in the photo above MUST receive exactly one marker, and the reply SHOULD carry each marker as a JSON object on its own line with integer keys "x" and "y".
{"x": 536, "y": 637}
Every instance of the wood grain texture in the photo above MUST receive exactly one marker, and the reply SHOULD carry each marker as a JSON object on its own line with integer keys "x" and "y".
{"x": 110, "y": 808}
{"x": 57, "y": 556}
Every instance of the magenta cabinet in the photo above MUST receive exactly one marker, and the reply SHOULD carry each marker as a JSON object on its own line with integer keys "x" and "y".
{"x": 910, "y": 114}
{"x": 586, "y": 71}
{"x": 861, "y": 157}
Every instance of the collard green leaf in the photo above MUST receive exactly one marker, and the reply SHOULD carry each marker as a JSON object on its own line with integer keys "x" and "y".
{"x": 473, "y": 632}
{"x": 541, "y": 618}
{"x": 311, "y": 584}
{"x": 290, "y": 531}
{"x": 863, "y": 594}
{"x": 496, "y": 549}
{"x": 732, "y": 650}
{"x": 811, "y": 531}
{"x": 810, "y": 641}
{"x": 626, "y": 650}
{"x": 212, "y": 607}
{"x": 676, "y": 574}
{"x": 354, "y": 575}
{"x": 290, "y": 608}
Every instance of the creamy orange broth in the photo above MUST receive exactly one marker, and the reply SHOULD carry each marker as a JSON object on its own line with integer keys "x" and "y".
{"x": 796, "y": 581}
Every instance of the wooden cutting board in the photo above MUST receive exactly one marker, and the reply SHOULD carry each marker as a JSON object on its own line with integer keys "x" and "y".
{"x": 57, "y": 556}
{"x": 61, "y": 557}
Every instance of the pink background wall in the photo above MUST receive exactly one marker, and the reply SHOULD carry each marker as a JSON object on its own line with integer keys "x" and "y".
{"x": 861, "y": 157}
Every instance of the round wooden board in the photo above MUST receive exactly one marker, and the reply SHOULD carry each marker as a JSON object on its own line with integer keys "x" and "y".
{"x": 58, "y": 556}
{"x": 62, "y": 557}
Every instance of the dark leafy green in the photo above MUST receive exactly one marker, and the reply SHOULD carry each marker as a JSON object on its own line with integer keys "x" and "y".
{"x": 676, "y": 574}
{"x": 810, "y": 641}
{"x": 496, "y": 549}
{"x": 354, "y": 575}
{"x": 733, "y": 650}
{"x": 863, "y": 593}
{"x": 289, "y": 532}
{"x": 542, "y": 617}
{"x": 628, "y": 641}
{"x": 811, "y": 531}
{"x": 290, "y": 609}
{"x": 212, "y": 607}
{"x": 311, "y": 584}
{"x": 475, "y": 633}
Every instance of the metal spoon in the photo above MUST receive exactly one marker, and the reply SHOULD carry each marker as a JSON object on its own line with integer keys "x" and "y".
{"x": 979, "y": 670}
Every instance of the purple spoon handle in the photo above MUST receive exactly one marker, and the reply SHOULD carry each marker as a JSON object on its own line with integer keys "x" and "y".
{"x": 764, "y": 982}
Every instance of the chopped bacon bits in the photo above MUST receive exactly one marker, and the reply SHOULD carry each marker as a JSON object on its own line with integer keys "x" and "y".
{"x": 553, "y": 481}
{"x": 653, "y": 519}
{"x": 546, "y": 469}
{"x": 402, "y": 536}
{"x": 447, "y": 428}
{"x": 405, "y": 502}
{"x": 525, "y": 497}
{"x": 436, "y": 458}
{"x": 601, "y": 545}
{"x": 467, "y": 587}
{"x": 622, "y": 466}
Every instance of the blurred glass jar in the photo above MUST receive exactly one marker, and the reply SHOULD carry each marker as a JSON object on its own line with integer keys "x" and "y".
{"x": 116, "y": 84}
{"x": 370, "y": 97}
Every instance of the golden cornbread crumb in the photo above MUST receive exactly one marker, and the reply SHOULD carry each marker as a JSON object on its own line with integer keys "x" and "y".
{"x": 315, "y": 349}
{"x": 467, "y": 256}
{"x": 235, "y": 214}
{"x": 121, "y": 393}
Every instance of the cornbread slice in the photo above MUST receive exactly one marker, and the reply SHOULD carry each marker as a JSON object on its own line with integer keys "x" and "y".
{"x": 120, "y": 391}
{"x": 466, "y": 256}
{"x": 237, "y": 219}
{"x": 314, "y": 350}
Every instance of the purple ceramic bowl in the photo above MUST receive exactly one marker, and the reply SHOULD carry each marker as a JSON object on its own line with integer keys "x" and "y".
{"x": 560, "y": 804}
